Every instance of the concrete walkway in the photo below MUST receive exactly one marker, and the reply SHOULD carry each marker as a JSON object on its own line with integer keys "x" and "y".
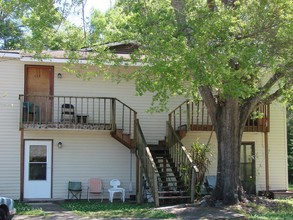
{"x": 185, "y": 211}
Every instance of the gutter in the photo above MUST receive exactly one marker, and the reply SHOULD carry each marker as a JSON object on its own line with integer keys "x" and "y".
{"x": 14, "y": 55}
{"x": 17, "y": 55}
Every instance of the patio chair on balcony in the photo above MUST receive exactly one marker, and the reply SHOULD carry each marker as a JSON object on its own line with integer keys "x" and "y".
{"x": 67, "y": 113}
{"x": 31, "y": 112}
{"x": 74, "y": 190}
{"x": 95, "y": 186}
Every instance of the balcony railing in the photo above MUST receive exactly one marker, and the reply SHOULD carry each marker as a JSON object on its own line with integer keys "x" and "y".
{"x": 195, "y": 117}
{"x": 68, "y": 112}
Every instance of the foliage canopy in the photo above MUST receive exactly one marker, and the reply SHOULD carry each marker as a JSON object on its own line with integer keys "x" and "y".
{"x": 229, "y": 49}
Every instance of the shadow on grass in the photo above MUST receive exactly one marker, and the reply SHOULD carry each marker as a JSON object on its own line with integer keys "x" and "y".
{"x": 25, "y": 209}
{"x": 271, "y": 209}
{"x": 115, "y": 210}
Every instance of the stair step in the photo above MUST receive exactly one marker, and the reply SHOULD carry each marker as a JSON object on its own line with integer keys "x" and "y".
{"x": 172, "y": 192}
{"x": 154, "y": 147}
{"x": 173, "y": 177}
{"x": 162, "y": 142}
{"x": 123, "y": 138}
{"x": 159, "y": 154}
{"x": 174, "y": 197}
{"x": 176, "y": 187}
{"x": 170, "y": 181}
{"x": 119, "y": 133}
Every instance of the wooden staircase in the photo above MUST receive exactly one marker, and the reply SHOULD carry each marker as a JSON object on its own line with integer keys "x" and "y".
{"x": 124, "y": 138}
{"x": 124, "y": 120}
{"x": 171, "y": 187}
{"x": 168, "y": 169}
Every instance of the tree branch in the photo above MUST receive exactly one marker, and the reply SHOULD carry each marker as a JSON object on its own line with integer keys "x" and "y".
{"x": 178, "y": 6}
{"x": 278, "y": 92}
{"x": 271, "y": 82}
{"x": 209, "y": 100}
{"x": 250, "y": 103}
{"x": 212, "y": 5}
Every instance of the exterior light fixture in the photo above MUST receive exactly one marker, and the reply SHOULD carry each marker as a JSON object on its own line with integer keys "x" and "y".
{"x": 59, "y": 144}
{"x": 59, "y": 75}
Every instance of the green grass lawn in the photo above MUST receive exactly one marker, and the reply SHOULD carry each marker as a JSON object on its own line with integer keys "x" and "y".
{"x": 101, "y": 210}
{"x": 25, "y": 209}
{"x": 264, "y": 209}
{"x": 115, "y": 210}
{"x": 291, "y": 187}
{"x": 271, "y": 209}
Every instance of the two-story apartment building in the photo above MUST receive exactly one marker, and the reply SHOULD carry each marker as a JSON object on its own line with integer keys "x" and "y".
{"x": 56, "y": 127}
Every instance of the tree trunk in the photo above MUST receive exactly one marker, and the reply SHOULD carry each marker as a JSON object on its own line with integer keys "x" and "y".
{"x": 228, "y": 128}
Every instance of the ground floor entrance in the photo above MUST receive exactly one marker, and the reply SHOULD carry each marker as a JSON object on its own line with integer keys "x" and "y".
{"x": 37, "y": 169}
{"x": 247, "y": 167}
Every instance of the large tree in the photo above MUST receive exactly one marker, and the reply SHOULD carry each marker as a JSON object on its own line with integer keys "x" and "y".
{"x": 10, "y": 32}
{"x": 233, "y": 54}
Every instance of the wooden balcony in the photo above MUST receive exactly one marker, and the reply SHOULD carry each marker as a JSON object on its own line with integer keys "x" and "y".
{"x": 195, "y": 117}
{"x": 75, "y": 113}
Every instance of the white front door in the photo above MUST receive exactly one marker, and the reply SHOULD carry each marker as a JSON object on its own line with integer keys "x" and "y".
{"x": 37, "y": 169}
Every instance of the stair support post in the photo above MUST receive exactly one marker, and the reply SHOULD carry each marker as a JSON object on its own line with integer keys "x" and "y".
{"x": 139, "y": 182}
{"x": 156, "y": 198}
{"x": 192, "y": 187}
{"x": 188, "y": 115}
{"x": 113, "y": 116}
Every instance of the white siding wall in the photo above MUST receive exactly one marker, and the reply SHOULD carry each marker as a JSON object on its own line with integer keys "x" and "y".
{"x": 125, "y": 91}
{"x": 86, "y": 155}
{"x": 11, "y": 85}
{"x": 90, "y": 154}
{"x": 278, "y": 167}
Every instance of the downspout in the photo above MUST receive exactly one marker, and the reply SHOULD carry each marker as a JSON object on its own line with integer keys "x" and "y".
{"x": 130, "y": 173}
{"x": 266, "y": 137}
{"x": 267, "y": 162}
{"x": 21, "y": 165}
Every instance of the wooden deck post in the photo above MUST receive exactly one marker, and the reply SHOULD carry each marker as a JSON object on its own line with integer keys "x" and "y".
{"x": 156, "y": 197}
{"x": 192, "y": 187}
{"x": 113, "y": 111}
{"x": 188, "y": 115}
{"x": 139, "y": 183}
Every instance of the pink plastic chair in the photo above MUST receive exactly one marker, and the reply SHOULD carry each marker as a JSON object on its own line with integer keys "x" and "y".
{"x": 95, "y": 186}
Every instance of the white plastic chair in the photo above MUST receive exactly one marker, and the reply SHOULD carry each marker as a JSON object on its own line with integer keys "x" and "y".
{"x": 115, "y": 183}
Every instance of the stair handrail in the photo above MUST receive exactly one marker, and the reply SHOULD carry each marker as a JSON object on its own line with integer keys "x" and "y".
{"x": 148, "y": 164}
{"x": 182, "y": 160}
{"x": 128, "y": 118}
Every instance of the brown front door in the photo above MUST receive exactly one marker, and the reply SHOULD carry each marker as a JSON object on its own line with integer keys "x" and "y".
{"x": 39, "y": 90}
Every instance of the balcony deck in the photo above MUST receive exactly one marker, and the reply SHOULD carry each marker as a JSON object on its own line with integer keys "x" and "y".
{"x": 75, "y": 113}
{"x": 195, "y": 117}
{"x": 66, "y": 126}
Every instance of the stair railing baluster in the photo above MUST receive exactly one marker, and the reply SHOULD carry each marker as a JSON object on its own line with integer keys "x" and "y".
{"x": 182, "y": 159}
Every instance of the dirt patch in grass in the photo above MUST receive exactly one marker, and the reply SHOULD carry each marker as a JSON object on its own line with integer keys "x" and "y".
{"x": 254, "y": 208}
